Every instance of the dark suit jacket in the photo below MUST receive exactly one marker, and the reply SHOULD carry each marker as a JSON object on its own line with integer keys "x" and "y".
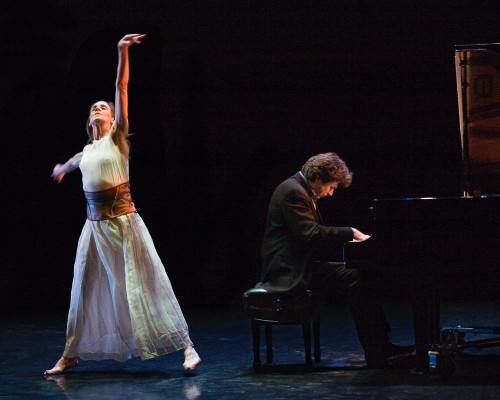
{"x": 294, "y": 233}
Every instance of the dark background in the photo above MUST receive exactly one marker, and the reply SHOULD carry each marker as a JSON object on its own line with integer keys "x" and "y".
{"x": 227, "y": 99}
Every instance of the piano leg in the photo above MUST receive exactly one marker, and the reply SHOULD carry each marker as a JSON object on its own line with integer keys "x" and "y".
{"x": 426, "y": 320}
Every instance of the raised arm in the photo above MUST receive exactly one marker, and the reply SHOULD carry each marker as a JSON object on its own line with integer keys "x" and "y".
{"x": 119, "y": 131}
{"x": 62, "y": 169}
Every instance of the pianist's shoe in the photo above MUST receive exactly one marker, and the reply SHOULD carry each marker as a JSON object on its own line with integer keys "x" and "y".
{"x": 387, "y": 356}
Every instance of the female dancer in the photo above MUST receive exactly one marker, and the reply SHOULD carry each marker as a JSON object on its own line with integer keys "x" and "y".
{"x": 122, "y": 302}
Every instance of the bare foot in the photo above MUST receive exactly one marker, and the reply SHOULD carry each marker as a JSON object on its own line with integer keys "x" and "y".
{"x": 63, "y": 364}
{"x": 191, "y": 359}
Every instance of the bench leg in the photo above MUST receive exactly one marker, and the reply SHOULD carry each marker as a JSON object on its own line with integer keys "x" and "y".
{"x": 317, "y": 345}
{"x": 306, "y": 329}
{"x": 256, "y": 345}
{"x": 269, "y": 344}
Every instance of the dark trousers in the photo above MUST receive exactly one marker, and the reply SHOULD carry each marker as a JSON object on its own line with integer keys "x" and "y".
{"x": 327, "y": 279}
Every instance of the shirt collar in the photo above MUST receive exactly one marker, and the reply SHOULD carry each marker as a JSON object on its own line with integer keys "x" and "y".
{"x": 311, "y": 192}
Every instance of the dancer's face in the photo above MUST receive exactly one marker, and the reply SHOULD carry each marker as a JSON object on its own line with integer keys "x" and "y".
{"x": 101, "y": 112}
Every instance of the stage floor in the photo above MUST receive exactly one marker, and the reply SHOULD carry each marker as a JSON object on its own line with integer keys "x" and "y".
{"x": 33, "y": 343}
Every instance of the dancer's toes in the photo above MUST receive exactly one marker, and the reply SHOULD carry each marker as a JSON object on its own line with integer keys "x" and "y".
{"x": 191, "y": 359}
{"x": 63, "y": 364}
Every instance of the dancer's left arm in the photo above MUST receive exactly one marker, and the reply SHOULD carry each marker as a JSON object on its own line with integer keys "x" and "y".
{"x": 119, "y": 131}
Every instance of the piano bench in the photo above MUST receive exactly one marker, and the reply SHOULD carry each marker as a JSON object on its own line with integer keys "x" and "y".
{"x": 265, "y": 309}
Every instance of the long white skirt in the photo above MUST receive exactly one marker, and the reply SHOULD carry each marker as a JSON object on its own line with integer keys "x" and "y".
{"x": 122, "y": 302}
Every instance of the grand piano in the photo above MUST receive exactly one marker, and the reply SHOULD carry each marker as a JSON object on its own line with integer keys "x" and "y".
{"x": 427, "y": 245}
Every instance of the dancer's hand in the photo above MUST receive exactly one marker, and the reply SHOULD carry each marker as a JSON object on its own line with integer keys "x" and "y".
{"x": 128, "y": 40}
{"x": 57, "y": 173}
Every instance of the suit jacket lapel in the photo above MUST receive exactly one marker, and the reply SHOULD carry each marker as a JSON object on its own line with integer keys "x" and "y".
{"x": 314, "y": 207}
{"x": 320, "y": 218}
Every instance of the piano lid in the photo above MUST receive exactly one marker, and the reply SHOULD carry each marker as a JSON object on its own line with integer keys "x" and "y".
{"x": 477, "y": 70}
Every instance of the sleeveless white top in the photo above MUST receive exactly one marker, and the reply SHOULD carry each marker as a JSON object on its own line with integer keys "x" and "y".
{"x": 103, "y": 166}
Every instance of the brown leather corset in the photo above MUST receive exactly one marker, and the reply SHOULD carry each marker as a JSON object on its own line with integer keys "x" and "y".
{"x": 110, "y": 203}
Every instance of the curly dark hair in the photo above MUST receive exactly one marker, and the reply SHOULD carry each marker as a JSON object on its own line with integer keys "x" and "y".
{"x": 329, "y": 167}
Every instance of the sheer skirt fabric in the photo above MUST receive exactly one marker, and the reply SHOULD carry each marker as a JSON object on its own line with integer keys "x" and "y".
{"x": 122, "y": 302}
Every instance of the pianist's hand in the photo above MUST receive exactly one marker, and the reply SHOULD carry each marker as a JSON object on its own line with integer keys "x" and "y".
{"x": 358, "y": 236}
